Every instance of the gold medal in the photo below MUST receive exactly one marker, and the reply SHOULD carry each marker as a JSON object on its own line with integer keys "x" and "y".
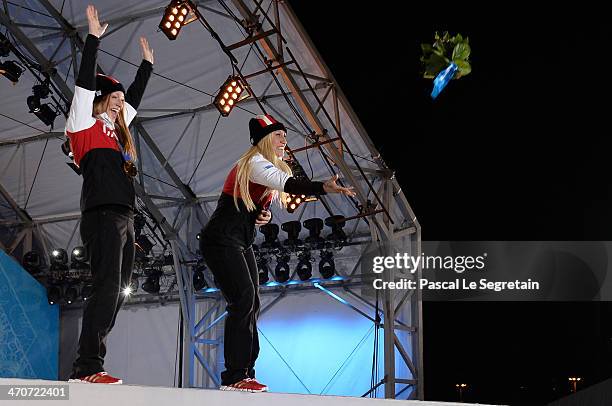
{"x": 130, "y": 168}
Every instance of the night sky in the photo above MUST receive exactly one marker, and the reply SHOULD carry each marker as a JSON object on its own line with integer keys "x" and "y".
{"x": 517, "y": 150}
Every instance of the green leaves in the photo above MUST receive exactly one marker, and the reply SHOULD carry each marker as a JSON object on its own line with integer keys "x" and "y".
{"x": 463, "y": 68}
{"x": 446, "y": 49}
{"x": 461, "y": 52}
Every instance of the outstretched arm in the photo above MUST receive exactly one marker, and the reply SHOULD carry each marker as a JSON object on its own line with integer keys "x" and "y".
{"x": 80, "y": 116}
{"x": 264, "y": 173}
{"x": 136, "y": 90}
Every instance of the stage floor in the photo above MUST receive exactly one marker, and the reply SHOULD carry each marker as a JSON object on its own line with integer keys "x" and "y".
{"x": 116, "y": 395}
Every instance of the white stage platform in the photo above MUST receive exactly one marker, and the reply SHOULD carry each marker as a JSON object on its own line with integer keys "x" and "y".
{"x": 117, "y": 395}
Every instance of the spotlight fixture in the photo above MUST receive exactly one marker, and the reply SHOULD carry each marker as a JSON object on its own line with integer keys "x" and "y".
{"x": 151, "y": 284}
{"x": 314, "y": 227}
{"x": 42, "y": 111}
{"x": 31, "y": 262}
{"x": 263, "y": 270}
{"x": 54, "y": 294}
{"x": 59, "y": 259}
{"x": 294, "y": 201}
{"x": 304, "y": 266}
{"x": 327, "y": 266}
{"x": 71, "y": 294}
{"x": 176, "y": 17}
{"x": 270, "y": 232}
{"x": 199, "y": 282}
{"x": 12, "y": 70}
{"x": 292, "y": 228}
{"x": 87, "y": 290}
{"x": 143, "y": 247}
{"x": 281, "y": 271}
{"x": 169, "y": 259}
{"x": 336, "y": 223}
{"x": 131, "y": 288}
{"x": 78, "y": 258}
{"x": 230, "y": 93}
{"x": 139, "y": 223}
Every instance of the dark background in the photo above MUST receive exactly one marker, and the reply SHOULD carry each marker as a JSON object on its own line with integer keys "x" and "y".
{"x": 517, "y": 150}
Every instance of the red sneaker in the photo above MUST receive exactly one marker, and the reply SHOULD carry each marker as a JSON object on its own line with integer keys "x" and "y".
{"x": 246, "y": 385}
{"x": 100, "y": 377}
{"x": 265, "y": 387}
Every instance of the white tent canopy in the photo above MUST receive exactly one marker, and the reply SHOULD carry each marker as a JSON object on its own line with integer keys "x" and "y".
{"x": 188, "y": 73}
{"x": 185, "y": 147}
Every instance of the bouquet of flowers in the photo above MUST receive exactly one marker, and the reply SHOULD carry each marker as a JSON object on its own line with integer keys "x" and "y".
{"x": 447, "y": 58}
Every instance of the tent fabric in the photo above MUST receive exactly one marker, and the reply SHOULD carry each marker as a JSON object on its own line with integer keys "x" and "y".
{"x": 187, "y": 75}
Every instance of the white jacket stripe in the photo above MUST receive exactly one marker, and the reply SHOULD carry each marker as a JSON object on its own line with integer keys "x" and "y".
{"x": 80, "y": 116}
{"x": 263, "y": 172}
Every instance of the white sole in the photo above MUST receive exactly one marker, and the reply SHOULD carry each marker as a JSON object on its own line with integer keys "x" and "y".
{"x": 231, "y": 388}
{"x": 120, "y": 382}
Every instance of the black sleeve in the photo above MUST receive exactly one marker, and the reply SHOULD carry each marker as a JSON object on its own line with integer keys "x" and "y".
{"x": 138, "y": 86}
{"x": 87, "y": 70}
{"x": 303, "y": 187}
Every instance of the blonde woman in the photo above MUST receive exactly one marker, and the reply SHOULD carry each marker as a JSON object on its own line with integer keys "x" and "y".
{"x": 103, "y": 148}
{"x": 259, "y": 177}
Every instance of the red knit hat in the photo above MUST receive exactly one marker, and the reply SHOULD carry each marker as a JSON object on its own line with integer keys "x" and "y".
{"x": 107, "y": 84}
{"x": 262, "y": 125}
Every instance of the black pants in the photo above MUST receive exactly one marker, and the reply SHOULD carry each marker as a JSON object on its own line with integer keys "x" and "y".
{"x": 235, "y": 272}
{"x": 108, "y": 237}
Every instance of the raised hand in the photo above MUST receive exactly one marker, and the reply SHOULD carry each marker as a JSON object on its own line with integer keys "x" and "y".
{"x": 95, "y": 28}
{"x": 147, "y": 51}
{"x": 330, "y": 186}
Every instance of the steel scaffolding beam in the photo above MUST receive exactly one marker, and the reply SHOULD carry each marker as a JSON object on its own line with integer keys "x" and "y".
{"x": 390, "y": 219}
{"x": 381, "y": 225}
{"x": 179, "y": 247}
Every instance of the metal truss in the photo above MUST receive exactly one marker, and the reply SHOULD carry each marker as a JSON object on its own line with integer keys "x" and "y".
{"x": 383, "y": 218}
{"x": 390, "y": 218}
{"x": 182, "y": 252}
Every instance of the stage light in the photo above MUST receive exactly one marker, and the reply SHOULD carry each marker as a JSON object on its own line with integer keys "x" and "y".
{"x": 292, "y": 228}
{"x": 31, "y": 262}
{"x": 78, "y": 258}
{"x": 11, "y": 70}
{"x": 304, "y": 266}
{"x": 281, "y": 271}
{"x": 263, "y": 270}
{"x": 151, "y": 284}
{"x": 174, "y": 18}
{"x": 139, "y": 223}
{"x": 42, "y": 111}
{"x": 143, "y": 246}
{"x": 71, "y": 293}
{"x": 131, "y": 288}
{"x": 270, "y": 232}
{"x": 41, "y": 91}
{"x": 59, "y": 258}
{"x": 327, "y": 266}
{"x": 336, "y": 223}
{"x": 54, "y": 294}
{"x": 314, "y": 227}
{"x": 87, "y": 291}
{"x": 199, "y": 282}
{"x": 230, "y": 93}
{"x": 294, "y": 201}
